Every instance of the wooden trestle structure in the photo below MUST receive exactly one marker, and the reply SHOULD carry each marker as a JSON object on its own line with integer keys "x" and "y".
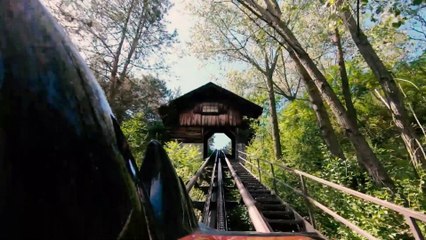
{"x": 267, "y": 212}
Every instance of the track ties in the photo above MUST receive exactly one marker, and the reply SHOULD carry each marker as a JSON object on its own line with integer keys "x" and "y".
{"x": 275, "y": 212}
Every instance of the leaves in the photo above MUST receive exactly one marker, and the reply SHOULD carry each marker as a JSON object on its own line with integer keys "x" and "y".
{"x": 118, "y": 38}
{"x": 186, "y": 158}
{"x": 136, "y": 132}
{"x": 304, "y": 149}
{"x": 418, "y": 2}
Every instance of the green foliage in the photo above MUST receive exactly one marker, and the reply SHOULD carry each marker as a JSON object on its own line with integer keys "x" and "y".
{"x": 412, "y": 78}
{"x": 304, "y": 149}
{"x": 301, "y": 138}
{"x": 261, "y": 145}
{"x": 383, "y": 22}
{"x": 136, "y": 131}
{"x": 186, "y": 158}
{"x": 139, "y": 131}
{"x": 239, "y": 216}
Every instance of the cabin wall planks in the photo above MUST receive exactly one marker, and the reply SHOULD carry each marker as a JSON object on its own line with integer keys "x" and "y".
{"x": 225, "y": 116}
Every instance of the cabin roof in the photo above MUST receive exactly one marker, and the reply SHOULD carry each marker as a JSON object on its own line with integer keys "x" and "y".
{"x": 210, "y": 92}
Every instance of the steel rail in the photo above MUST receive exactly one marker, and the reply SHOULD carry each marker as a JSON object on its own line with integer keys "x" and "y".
{"x": 206, "y": 216}
{"x": 251, "y": 164}
{"x": 256, "y": 217}
{"x": 221, "y": 223}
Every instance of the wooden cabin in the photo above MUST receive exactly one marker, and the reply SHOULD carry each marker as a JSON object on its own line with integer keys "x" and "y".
{"x": 209, "y": 109}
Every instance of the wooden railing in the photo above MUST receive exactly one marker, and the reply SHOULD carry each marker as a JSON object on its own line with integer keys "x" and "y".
{"x": 409, "y": 215}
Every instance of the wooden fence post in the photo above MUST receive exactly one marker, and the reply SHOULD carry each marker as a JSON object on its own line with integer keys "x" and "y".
{"x": 415, "y": 230}
{"x": 274, "y": 181}
{"x": 308, "y": 204}
{"x": 258, "y": 170}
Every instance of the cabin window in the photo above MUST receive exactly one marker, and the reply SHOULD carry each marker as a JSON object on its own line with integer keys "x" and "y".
{"x": 210, "y": 109}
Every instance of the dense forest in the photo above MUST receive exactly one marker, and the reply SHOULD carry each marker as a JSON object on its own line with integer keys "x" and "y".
{"x": 342, "y": 84}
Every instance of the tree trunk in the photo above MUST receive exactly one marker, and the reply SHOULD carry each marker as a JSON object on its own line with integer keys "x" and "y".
{"x": 365, "y": 154}
{"x": 321, "y": 114}
{"x": 390, "y": 89}
{"x": 274, "y": 118}
{"x": 344, "y": 75}
{"x": 133, "y": 46}
{"x": 270, "y": 61}
{"x": 269, "y": 74}
{"x": 114, "y": 79}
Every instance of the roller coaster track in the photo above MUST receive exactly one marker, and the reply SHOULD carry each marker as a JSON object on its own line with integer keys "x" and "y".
{"x": 267, "y": 212}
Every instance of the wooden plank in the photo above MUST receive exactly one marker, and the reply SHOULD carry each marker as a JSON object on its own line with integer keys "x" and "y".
{"x": 256, "y": 217}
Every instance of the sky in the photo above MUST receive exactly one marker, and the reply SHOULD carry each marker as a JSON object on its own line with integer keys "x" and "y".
{"x": 220, "y": 140}
{"x": 187, "y": 72}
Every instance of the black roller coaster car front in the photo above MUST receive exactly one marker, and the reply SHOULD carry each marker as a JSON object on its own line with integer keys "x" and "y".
{"x": 65, "y": 169}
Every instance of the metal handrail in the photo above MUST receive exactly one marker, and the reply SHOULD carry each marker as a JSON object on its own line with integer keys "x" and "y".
{"x": 194, "y": 178}
{"x": 205, "y": 218}
{"x": 409, "y": 214}
{"x": 327, "y": 210}
{"x": 245, "y": 160}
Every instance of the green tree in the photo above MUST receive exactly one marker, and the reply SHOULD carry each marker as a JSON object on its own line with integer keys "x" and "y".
{"x": 117, "y": 38}
{"x": 392, "y": 94}
{"x": 145, "y": 95}
{"x": 227, "y": 33}
{"x": 136, "y": 131}
{"x": 271, "y": 14}
{"x": 186, "y": 158}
